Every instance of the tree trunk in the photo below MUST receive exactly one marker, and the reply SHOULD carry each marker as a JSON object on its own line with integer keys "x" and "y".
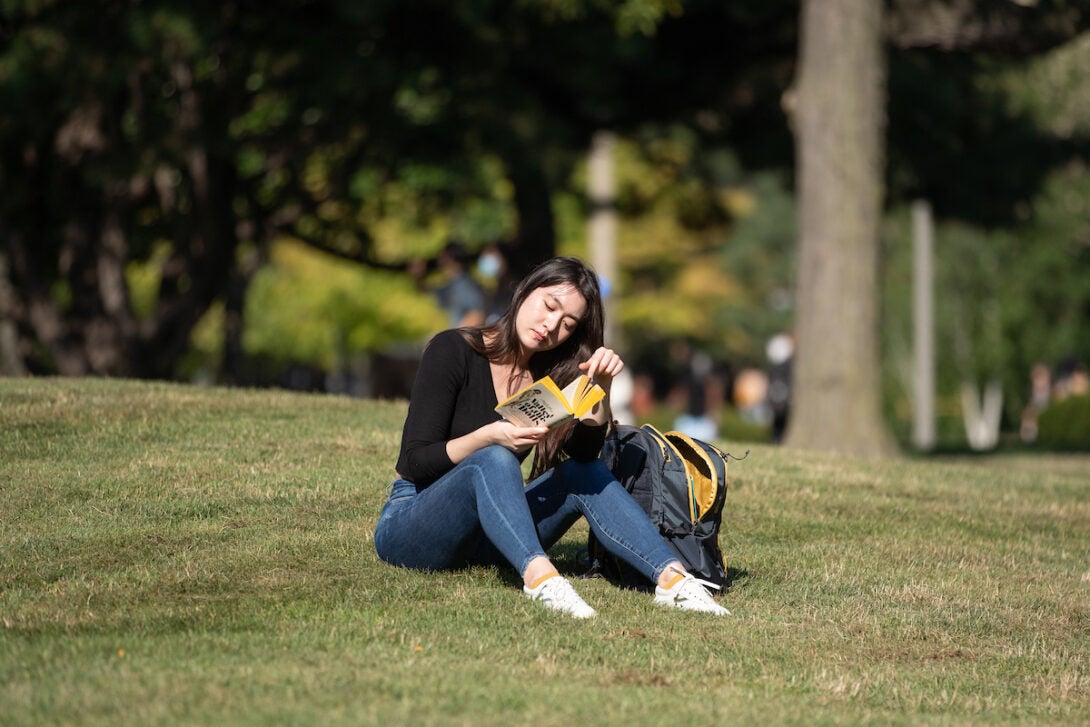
{"x": 11, "y": 362}
{"x": 839, "y": 128}
{"x": 535, "y": 241}
{"x": 204, "y": 260}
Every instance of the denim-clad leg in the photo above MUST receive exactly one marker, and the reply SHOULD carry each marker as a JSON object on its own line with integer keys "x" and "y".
{"x": 572, "y": 489}
{"x": 481, "y": 499}
{"x": 479, "y": 512}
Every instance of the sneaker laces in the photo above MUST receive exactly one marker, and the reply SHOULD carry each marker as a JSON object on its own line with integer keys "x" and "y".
{"x": 690, "y": 578}
{"x": 694, "y": 590}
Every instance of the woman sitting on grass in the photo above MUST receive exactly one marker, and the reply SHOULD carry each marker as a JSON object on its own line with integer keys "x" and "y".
{"x": 459, "y": 497}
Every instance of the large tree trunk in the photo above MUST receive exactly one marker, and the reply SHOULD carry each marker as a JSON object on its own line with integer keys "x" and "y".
{"x": 535, "y": 240}
{"x": 204, "y": 250}
{"x": 839, "y": 127}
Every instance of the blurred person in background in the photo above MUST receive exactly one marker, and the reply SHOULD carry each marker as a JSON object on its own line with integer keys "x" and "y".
{"x": 698, "y": 419}
{"x": 494, "y": 269}
{"x": 457, "y": 292}
{"x": 780, "y": 351}
{"x": 1040, "y": 394}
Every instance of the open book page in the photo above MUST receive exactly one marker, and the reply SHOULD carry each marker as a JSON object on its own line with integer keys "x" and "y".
{"x": 582, "y": 394}
{"x": 542, "y": 403}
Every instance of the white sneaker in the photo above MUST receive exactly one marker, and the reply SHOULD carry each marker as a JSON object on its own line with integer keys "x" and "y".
{"x": 690, "y": 594}
{"x": 557, "y": 593}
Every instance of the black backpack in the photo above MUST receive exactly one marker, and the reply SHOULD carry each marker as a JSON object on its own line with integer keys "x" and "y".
{"x": 681, "y": 483}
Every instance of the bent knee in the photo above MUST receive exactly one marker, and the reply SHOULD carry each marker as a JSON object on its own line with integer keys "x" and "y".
{"x": 493, "y": 461}
{"x": 496, "y": 456}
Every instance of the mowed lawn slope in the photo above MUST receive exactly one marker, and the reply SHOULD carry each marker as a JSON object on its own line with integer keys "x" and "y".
{"x": 180, "y": 555}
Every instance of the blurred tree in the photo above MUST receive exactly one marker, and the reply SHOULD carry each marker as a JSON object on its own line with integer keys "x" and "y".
{"x": 124, "y": 141}
{"x": 998, "y": 145}
{"x": 839, "y": 124}
{"x": 190, "y": 137}
{"x": 160, "y": 149}
{"x": 706, "y": 249}
{"x": 840, "y": 119}
{"x": 306, "y": 308}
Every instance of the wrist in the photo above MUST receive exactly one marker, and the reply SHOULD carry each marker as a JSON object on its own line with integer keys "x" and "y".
{"x": 598, "y": 415}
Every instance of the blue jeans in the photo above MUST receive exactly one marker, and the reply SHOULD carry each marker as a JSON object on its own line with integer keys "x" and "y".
{"x": 481, "y": 513}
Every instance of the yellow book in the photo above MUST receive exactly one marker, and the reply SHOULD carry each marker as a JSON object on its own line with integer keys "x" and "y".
{"x": 544, "y": 404}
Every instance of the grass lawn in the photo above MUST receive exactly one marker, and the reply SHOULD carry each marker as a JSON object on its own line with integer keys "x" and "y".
{"x": 181, "y": 555}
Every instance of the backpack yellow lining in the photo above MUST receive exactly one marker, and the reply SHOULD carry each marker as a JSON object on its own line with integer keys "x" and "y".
{"x": 703, "y": 479}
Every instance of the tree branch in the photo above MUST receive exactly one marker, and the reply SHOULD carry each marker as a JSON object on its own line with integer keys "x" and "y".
{"x": 1007, "y": 27}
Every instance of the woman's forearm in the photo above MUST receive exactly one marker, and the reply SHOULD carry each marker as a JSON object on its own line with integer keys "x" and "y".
{"x": 460, "y": 448}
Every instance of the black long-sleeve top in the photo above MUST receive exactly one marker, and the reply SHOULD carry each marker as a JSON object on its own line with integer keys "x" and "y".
{"x": 452, "y": 396}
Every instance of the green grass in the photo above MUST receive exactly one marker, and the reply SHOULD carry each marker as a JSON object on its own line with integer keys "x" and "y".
{"x": 178, "y": 555}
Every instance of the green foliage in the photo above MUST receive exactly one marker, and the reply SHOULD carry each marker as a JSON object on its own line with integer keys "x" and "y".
{"x": 1006, "y": 297}
{"x": 760, "y": 254}
{"x": 306, "y": 307}
{"x": 1048, "y": 297}
{"x": 988, "y": 317}
{"x": 198, "y": 128}
{"x": 645, "y": 16}
{"x": 179, "y": 555}
{"x": 956, "y": 140}
{"x": 1052, "y": 90}
{"x": 426, "y": 205}
{"x": 142, "y": 279}
{"x": 705, "y": 250}
{"x": 1066, "y": 424}
{"x": 632, "y": 16}
{"x": 971, "y": 264}
{"x": 204, "y": 358}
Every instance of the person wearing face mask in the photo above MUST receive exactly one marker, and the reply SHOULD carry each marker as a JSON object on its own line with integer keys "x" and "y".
{"x": 459, "y": 295}
{"x": 494, "y": 269}
{"x": 459, "y": 497}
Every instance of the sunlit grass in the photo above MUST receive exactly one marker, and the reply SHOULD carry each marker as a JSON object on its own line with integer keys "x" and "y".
{"x": 179, "y": 555}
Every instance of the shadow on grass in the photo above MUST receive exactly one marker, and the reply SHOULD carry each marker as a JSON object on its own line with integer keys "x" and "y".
{"x": 573, "y": 560}
{"x": 577, "y": 559}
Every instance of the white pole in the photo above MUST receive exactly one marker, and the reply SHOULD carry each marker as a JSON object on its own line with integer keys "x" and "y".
{"x": 602, "y": 225}
{"x": 923, "y": 430}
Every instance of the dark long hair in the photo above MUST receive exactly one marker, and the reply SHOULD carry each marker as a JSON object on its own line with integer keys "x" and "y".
{"x": 499, "y": 341}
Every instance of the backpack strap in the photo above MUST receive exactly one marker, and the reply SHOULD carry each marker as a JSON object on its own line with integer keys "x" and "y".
{"x": 666, "y": 448}
{"x": 704, "y": 477}
{"x": 672, "y": 510}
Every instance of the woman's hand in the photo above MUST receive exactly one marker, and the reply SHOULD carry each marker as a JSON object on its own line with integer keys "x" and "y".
{"x": 504, "y": 433}
{"x": 602, "y": 366}
{"x": 513, "y": 437}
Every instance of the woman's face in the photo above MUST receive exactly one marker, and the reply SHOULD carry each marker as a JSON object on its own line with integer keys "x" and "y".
{"x": 548, "y": 317}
